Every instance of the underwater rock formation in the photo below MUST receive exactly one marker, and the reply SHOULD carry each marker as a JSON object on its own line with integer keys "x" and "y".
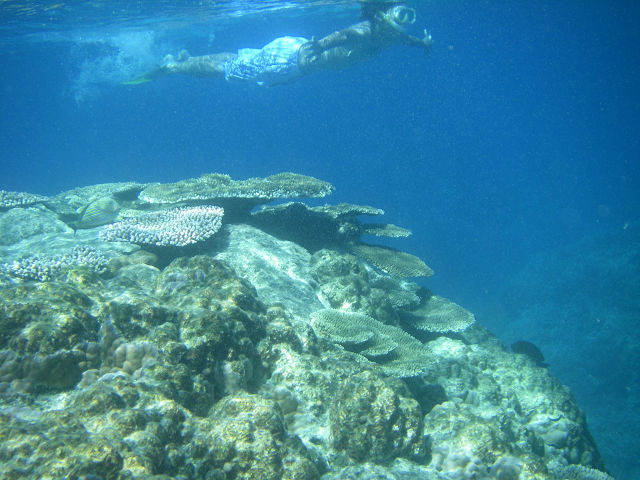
{"x": 375, "y": 419}
{"x": 314, "y": 228}
{"x": 69, "y": 204}
{"x": 280, "y": 271}
{"x": 256, "y": 358}
{"x": 19, "y": 224}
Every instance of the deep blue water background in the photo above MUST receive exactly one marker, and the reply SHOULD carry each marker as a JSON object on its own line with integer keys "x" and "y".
{"x": 517, "y": 136}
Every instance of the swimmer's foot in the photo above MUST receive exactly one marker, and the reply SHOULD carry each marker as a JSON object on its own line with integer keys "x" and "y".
{"x": 169, "y": 65}
{"x": 137, "y": 81}
{"x": 147, "y": 77}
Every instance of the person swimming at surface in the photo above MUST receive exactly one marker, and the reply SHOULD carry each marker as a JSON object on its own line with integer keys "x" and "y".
{"x": 285, "y": 59}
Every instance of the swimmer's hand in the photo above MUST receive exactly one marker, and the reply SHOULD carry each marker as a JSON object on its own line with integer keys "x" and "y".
{"x": 427, "y": 41}
{"x": 313, "y": 50}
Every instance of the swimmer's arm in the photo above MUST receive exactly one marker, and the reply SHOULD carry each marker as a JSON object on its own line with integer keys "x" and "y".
{"x": 347, "y": 35}
{"x": 336, "y": 41}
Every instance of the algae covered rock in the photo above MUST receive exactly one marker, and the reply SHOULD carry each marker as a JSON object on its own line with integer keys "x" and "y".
{"x": 244, "y": 437}
{"x": 373, "y": 419}
{"x": 45, "y": 330}
{"x": 55, "y": 444}
{"x": 20, "y": 223}
{"x": 499, "y": 404}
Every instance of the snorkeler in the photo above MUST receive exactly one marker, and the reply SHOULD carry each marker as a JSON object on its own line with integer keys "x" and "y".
{"x": 286, "y": 59}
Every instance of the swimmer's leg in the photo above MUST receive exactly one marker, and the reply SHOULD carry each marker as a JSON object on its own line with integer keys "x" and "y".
{"x": 202, "y": 66}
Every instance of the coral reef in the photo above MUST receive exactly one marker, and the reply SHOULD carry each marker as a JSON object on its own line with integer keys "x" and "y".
{"x": 438, "y": 315}
{"x": 249, "y": 440}
{"x": 46, "y": 267}
{"x": 257, "y": 358}
{"x": 237, "y": 197}
{"x": 177, "y": 227}
{"x": 397, "y": 352}
{"x": 19, "y": 199}
{"x": 385, "y": 230}
{"x": 391, "y": 261}
{"x": 578, "y": 472}
{"x": 215, "y": 186}
{"x": 324, "y": 226}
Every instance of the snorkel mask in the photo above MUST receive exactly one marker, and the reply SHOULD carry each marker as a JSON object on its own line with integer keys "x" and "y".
{"x": 399, "y": 16}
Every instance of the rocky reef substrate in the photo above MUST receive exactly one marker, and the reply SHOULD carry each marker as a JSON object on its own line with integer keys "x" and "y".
{"x": 245, "y": 355}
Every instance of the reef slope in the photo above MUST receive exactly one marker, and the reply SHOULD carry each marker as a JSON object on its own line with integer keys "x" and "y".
{"x": 249, "y": 356}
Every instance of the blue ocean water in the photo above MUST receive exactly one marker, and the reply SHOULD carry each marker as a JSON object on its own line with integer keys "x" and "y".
{"x": 516, "y": 139}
